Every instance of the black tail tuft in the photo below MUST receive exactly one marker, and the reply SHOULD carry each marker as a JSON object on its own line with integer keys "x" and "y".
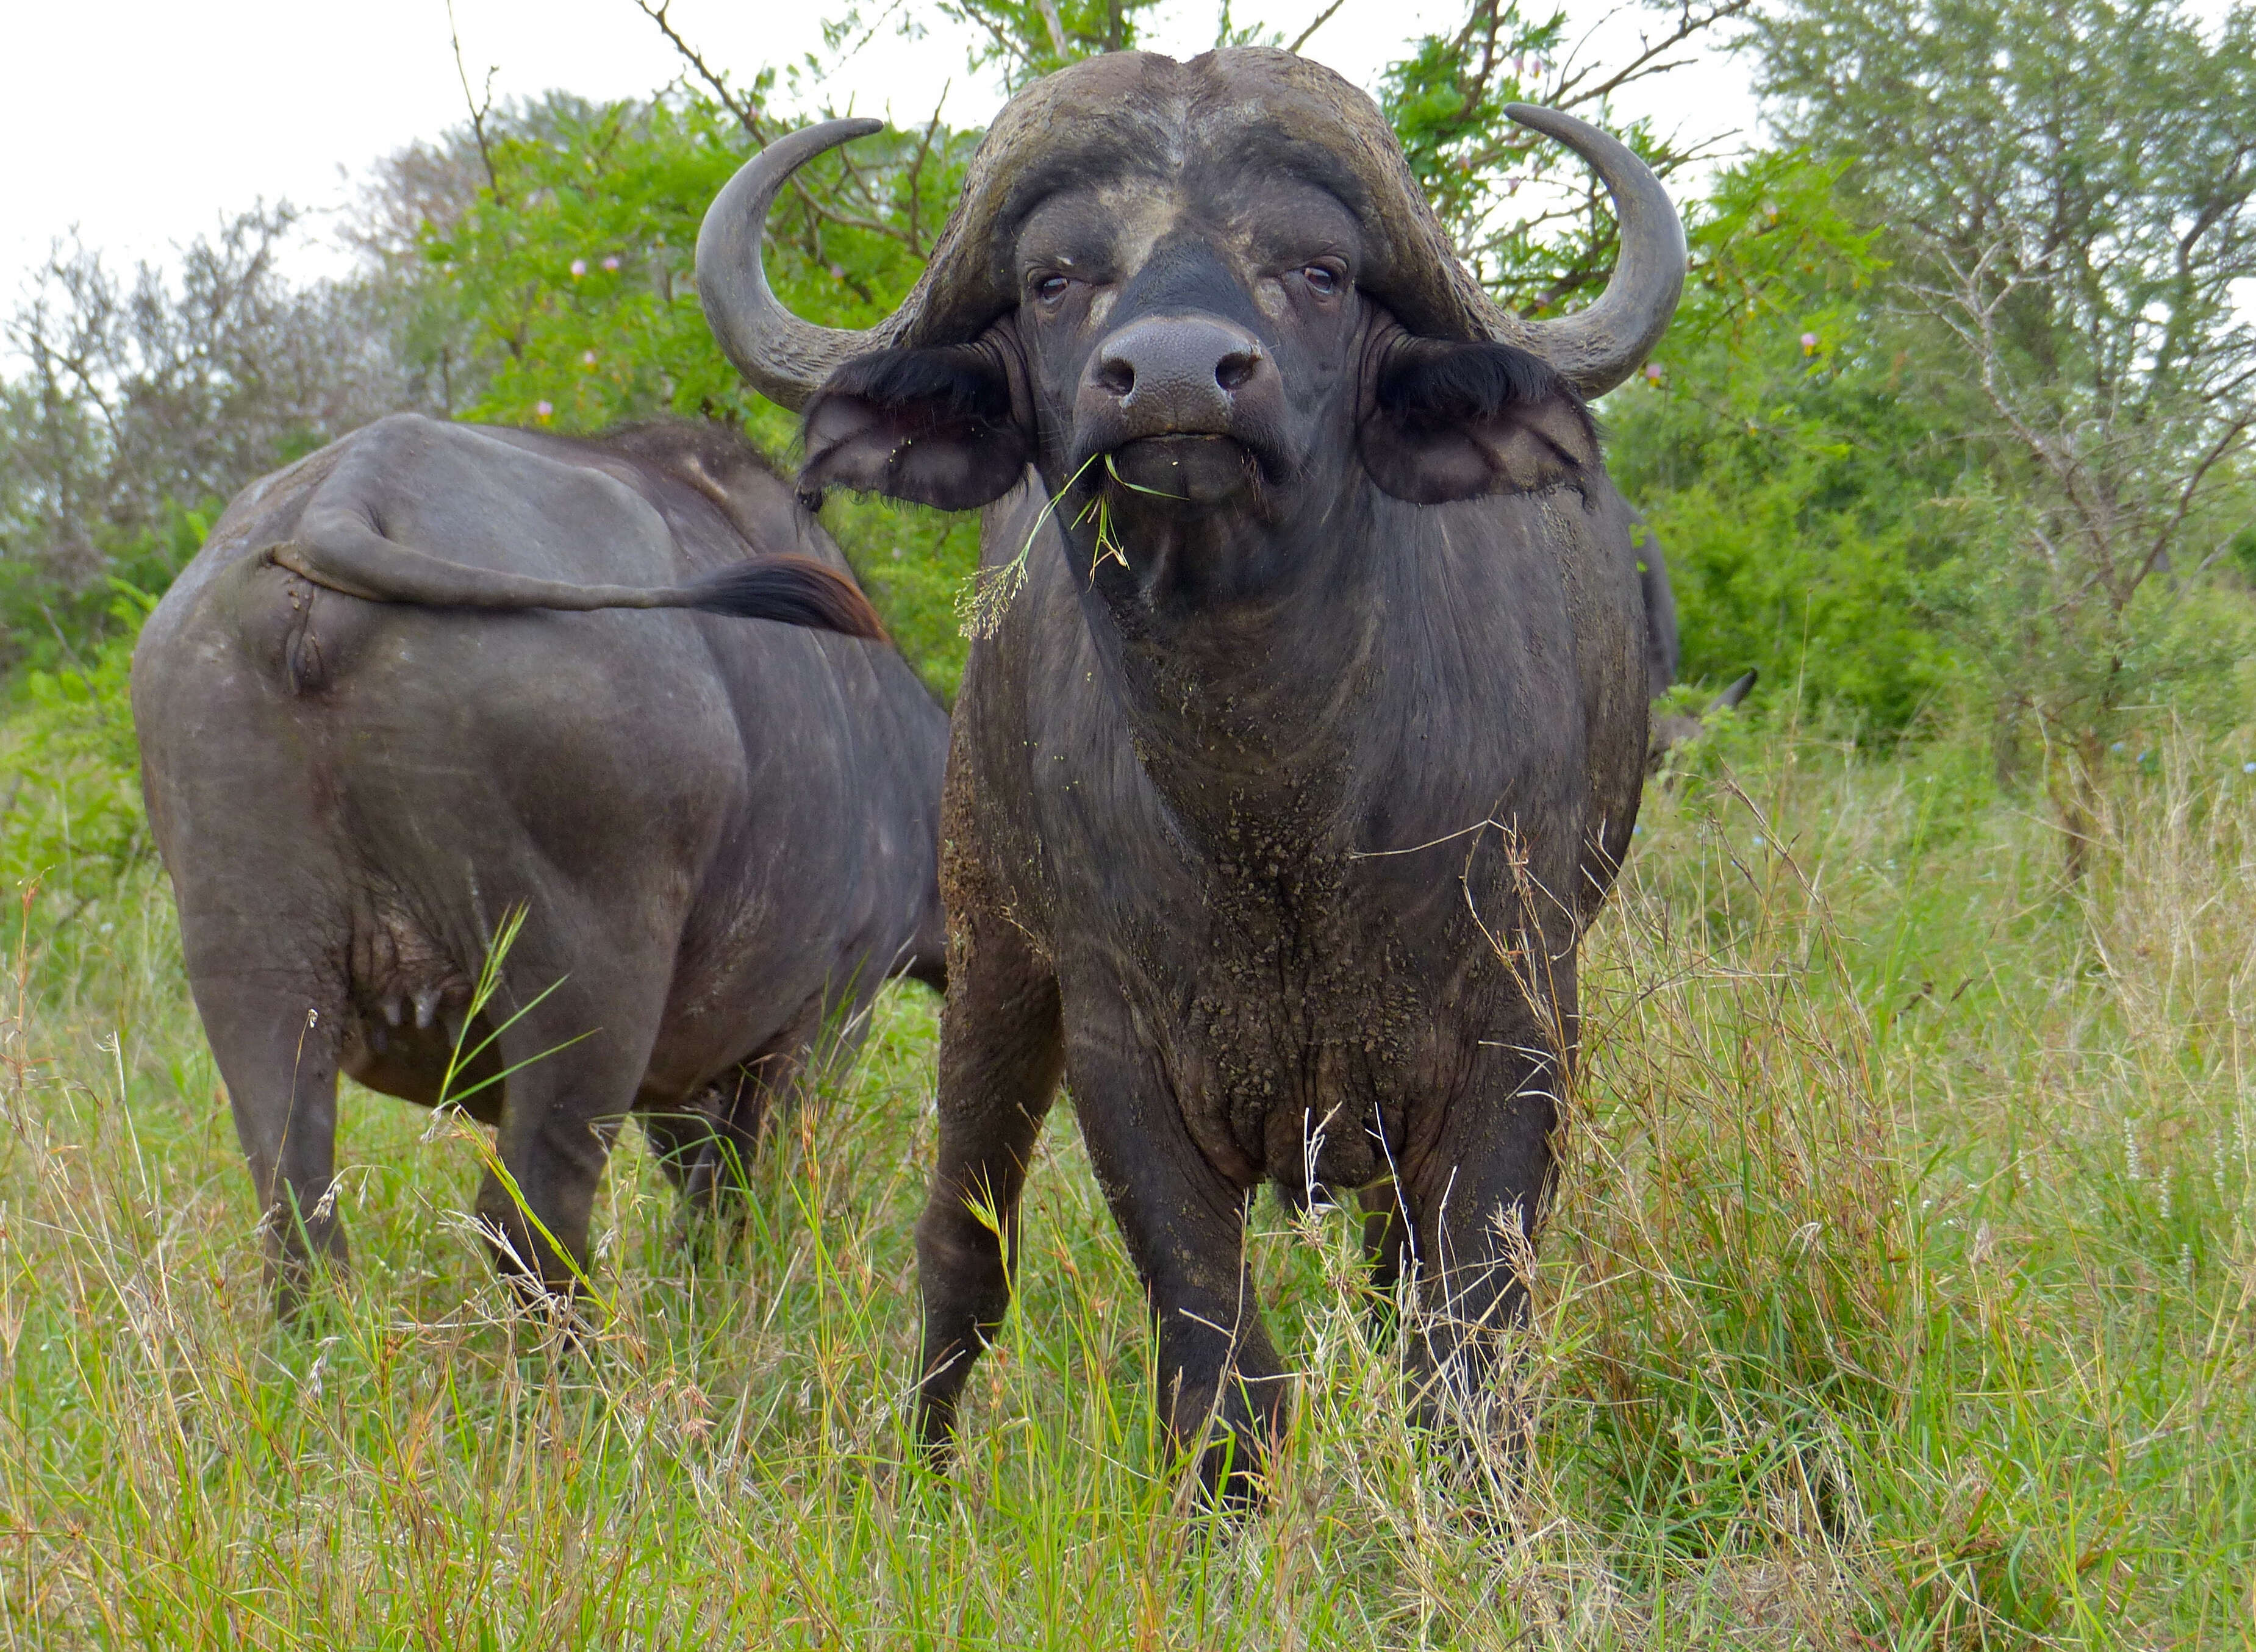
{"x": 794, "y": 590}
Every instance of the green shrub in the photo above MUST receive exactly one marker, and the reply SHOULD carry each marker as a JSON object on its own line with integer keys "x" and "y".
{"x": 70, "y": 772}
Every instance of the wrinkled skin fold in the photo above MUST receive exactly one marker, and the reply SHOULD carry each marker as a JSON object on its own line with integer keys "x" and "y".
{"x": 1282, "y": 792}
{"x": 373, "y": 726}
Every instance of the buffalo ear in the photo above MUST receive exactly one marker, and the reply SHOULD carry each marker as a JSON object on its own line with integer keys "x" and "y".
{"x": 932, "y": 426}
{"x": 1457, "y": 421}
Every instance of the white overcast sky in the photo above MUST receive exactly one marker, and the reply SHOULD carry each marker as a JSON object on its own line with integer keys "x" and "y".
{"x": 139, "y": 124}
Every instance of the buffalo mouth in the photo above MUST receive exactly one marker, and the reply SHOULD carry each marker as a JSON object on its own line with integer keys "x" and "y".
{"x": 1195, "y": 469}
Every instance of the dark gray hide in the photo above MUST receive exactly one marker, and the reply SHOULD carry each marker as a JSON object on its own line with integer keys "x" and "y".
{"x": 1277, "y": 805}
{"x": 723, "y": 834}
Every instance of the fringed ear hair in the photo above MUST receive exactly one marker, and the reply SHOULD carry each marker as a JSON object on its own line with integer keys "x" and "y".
{"x": 932, "y": 426}
{"x": 1457, "y": 421}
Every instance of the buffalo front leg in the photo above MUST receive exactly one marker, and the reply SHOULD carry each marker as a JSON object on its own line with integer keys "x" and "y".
{"x": 707, "y": 1144}
{"x": 1000, "y": 1054}
{"x": 1474, "y": 1205}
{"x": 1221, "y": 1390}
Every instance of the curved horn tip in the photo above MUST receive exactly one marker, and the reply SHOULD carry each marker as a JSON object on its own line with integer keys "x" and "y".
{"x": 843, "y": 130}
{"x": 780, "y": 355}
{"x": 1545, "y": 120}
{"x": 1595, "y": 349}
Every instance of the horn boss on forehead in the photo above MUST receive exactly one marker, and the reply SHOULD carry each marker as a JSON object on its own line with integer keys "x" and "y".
{"x": 1154, "y": 113}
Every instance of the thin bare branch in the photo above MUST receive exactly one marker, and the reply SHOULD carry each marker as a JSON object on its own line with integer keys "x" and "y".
{"x": 1692, "y": 22}
{"x": 1323, "y": 18}
{"x": 747, "y": 116}
{"x": 479, "y": 107}
{"x": 1056, "y": 28}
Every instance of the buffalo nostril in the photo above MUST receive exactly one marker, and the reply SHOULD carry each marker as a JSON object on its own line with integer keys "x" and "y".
{"x": 1117, "y": 376}
{"x": 1234, "y": 368}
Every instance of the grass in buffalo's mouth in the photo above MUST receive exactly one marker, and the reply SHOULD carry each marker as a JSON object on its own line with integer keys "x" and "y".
{"x": 1897, "y": 1296}
{"x": 1099, "y": 509}
{"x": 989, "y": 596}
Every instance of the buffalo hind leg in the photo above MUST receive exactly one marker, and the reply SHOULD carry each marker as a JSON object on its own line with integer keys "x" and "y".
{"x": 579, "y": 1058}
{"x": 277, "y": 1051}
{"x": 1385, "y": 1244}
{"x": 1000, "y": 1056}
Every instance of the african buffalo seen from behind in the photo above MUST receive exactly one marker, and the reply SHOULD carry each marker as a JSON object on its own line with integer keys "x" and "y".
{"x": 1285, "y": 784}
{"x": 369, "y": 737}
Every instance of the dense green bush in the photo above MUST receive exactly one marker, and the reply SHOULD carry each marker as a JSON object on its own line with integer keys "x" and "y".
{"x": 1798, "y": 498}
{"x": 71, "y": 819}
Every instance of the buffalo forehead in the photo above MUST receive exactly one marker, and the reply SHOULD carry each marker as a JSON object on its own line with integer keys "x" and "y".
{"x": 1250, "y": 114}
{"x": 1142, "y": 228}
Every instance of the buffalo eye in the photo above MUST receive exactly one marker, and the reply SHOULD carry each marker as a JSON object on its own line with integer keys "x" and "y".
{"x": 1049, "y": 289}
{"x": 1322, "y": 279}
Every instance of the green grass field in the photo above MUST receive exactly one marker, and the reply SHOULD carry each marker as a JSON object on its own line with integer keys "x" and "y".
{"x": 1897, "y": 1295}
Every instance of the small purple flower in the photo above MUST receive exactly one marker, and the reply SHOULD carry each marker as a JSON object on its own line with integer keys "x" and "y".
{"x": 542, "y": 410}
{"x": 587, "y": 358}
{"x": 579, "y": 268}
{"x": 612, "y": 263}
{"x": 1808, "y": 342}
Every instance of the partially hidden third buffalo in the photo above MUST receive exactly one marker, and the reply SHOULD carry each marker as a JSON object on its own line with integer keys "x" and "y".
{"x": 385, "y": 710}
{"x": 1311, "y": 727}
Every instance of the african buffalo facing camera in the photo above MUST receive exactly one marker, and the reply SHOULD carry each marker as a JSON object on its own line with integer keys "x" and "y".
{"x": 1282, "y": 790}
{"x": 372, "y": 729}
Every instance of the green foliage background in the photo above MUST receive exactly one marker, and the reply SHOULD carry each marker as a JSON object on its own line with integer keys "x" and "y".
{"x": 1837, "y": 506}
{"x": 1798, "y": 496}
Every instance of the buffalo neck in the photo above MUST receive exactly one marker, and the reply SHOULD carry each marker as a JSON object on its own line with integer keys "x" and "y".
{"x": 1241, "y": 646}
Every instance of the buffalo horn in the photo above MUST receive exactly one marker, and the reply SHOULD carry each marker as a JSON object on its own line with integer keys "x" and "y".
{"x": 785, "y": 358}
{"x": 1595, "y": 349}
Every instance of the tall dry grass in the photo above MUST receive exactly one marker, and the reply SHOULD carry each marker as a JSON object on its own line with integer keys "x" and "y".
{"x": 1896, "y": 1296}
